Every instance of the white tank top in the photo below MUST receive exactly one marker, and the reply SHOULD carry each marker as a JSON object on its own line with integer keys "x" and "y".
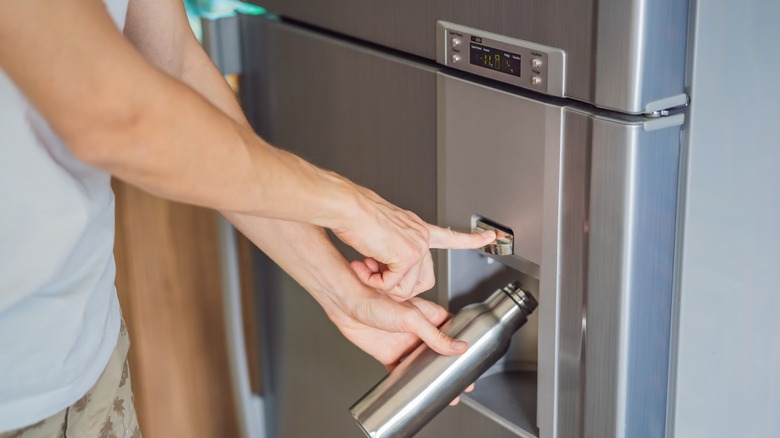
{"x": 59, "y": 314}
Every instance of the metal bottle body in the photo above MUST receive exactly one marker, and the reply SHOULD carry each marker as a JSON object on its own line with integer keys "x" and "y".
{"x": 425, "y": 382}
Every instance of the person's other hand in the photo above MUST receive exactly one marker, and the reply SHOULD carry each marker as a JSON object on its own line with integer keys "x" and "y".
{"x": 389, "y": 347}
{"x": 396, "y": 244}
{"x": 364, "y": 312}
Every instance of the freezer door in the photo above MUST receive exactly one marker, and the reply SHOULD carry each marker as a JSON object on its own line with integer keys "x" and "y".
{"x": 372, "y": 117}
{"x": 626, "y": 55}
{"x": 591, "y": 200}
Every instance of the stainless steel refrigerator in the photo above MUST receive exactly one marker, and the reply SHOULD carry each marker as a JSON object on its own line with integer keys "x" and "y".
{"x": 558, "y": 121}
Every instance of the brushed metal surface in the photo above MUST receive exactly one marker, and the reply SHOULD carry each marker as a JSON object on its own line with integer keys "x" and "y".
{"x": 370, "y": 116}
{"x": 631, "y": 236}
{"x": 622, "y": 55}
{"x": 508, "y": 398}
{"x": 491, "y": 162}
{"x": 410, "y": 26}
{"x": 567, "y": 276}
{"x": 640, "y": 54}
{"x": 361, "y": 113}
{"x": 221, "y": 40}
{"x": 602, "y": 365}
{"x": 603, "y": 187}
{"x": 498, "y": 158}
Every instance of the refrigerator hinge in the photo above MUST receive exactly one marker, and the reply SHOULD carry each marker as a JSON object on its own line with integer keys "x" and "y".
{"x": 222, "y": 42}
{"x": 659, "y": 113}
{"x": 669, "y": 105}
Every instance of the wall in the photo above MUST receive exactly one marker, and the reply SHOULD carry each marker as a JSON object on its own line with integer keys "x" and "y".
{"x": 728, "y": 355}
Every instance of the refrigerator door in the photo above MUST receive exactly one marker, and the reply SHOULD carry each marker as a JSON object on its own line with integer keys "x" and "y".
{"x": 372, "y": 117}
{"x": 589, "y": 195}
{"x": 626, "y": 55}
{"x": 627, "y": 294}
{"x": 590, "y": 198}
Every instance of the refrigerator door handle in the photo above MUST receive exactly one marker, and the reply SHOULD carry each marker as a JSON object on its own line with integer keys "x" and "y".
{"x": 221, "y": 41}
{"x": 251, "y": 412}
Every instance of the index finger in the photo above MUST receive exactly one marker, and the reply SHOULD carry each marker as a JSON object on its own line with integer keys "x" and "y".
{"x": 444, "y": 238}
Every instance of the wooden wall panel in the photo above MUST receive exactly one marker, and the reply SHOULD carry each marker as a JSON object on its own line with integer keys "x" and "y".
{"x": 168, "y": 280}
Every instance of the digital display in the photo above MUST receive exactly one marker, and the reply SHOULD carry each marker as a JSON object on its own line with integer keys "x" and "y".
{"x": 495, "y": 59}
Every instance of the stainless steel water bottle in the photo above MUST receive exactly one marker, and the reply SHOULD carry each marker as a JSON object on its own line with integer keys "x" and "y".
{"x": 426, "y": 382}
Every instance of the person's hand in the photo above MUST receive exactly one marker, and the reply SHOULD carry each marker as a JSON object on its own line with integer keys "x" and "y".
{"x": 308, "y": 255}
{"x": 382, "y": 327}
{"x": 396, "y": 244}
{"x": 390, "y": 347}
{"x": 360, "y": 308}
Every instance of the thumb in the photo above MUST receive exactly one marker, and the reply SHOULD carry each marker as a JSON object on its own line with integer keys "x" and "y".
{"x": 447, "y": 239}
{"x": 439, "y": 341}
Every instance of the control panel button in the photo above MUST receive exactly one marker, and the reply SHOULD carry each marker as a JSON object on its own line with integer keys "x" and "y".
{"x": 536, "y": 63}
{"x": 455, "y": 42}
{"x": 455, "y": 58}
{"x": 536, "y": 80}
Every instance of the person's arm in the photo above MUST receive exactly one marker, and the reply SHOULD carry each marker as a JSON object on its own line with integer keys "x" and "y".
{"x": 385, "y": 329}
{"x": 381, "y": 327}
{"x": 118, "y": 112}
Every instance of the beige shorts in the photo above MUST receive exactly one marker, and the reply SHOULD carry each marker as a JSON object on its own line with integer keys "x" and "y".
{"x": 106, "y": 411}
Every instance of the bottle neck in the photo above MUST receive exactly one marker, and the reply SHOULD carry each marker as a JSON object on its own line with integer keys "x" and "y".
{"x": 511, "y": 304}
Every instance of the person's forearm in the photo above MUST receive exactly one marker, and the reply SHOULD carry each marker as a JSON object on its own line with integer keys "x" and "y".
{"x": 118, "y": 113}
{"x": 306, "y": 253}
{"x": 198, "y": 155}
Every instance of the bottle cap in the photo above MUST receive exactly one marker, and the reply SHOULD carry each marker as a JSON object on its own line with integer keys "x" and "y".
{"x": 522, "y": 298}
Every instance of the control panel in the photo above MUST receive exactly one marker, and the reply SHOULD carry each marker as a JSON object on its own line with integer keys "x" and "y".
{"x": 511, "y": 60}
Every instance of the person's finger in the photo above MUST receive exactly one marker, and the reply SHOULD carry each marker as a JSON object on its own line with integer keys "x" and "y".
{"x": 447, "y": 239}
{"x": 384, "y": 280}
{"x": 422, "y": 225}
{"x": 433, "y": 312}
{"x": 368, "y": 268}
{"x": 362, "y": 270}
{"x": 457, "y": 399}
{"x": 373, "y": 265}
{"x": 415, "y": 322}
{"x": 427, "y": 278}
{"x": 408, "y": 284}
{"x": 399, "y": 277}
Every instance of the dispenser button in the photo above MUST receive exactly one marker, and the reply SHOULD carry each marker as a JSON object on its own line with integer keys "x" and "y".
{"x": 505, "y": 239}
{"x": 536, "y": 63}
{"x": 455, "y": 58}
{"x": 455, "y": 42}
{"x": 536, "y": 80}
